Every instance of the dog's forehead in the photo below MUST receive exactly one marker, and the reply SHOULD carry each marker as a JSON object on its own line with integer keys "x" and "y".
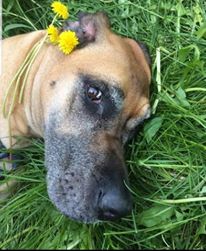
{"x": 113, "y": 61}
{"x": 112, "y": 58}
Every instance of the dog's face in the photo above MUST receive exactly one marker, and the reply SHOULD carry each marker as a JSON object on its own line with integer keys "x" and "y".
{"x": 93, "y": 101}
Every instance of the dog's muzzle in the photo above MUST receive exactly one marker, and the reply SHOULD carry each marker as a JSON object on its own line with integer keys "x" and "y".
{"x": 87, "y": 186}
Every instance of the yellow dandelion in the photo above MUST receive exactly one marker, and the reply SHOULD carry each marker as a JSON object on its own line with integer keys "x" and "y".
{"x": 60, "y": 9}
{"x": 68, "y": 41}
{"x": 53, "y": 34}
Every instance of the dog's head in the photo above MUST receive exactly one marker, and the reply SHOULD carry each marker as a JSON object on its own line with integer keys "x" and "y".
{"x": 94, "y": 100}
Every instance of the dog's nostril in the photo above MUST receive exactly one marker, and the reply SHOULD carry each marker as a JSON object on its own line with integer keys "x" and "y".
{"x": 100, "y": 195}
{"x": 110, "y": 214}
{"x": 113, "y": 205}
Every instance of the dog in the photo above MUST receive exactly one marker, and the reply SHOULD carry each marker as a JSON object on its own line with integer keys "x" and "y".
{"x": 85, "y": 106}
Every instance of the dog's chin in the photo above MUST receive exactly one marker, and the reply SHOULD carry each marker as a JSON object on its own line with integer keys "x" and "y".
{"x": 85, "y": 220}
{"x": 72, "y": 204}
{"x": 82, "y": 218}
{"x": 77, "y": 214}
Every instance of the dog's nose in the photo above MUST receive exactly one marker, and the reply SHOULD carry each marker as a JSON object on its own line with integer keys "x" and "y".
{"x": 113, "y": 204}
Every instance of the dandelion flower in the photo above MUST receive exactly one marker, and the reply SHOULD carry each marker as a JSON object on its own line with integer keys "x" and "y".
{"x": 53, "y": 34}
{"x": 60, "y": 9}
{"x": 68, "y": 41}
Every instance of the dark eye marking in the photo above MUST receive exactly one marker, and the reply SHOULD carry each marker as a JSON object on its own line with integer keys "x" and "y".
{"x": 101, "y": 97}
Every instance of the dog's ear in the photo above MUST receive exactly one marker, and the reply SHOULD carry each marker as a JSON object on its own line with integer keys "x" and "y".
{"x": 140, "y": 49}
{"x": 143, "y": 77}
{"x": 143, "y": 60}
{"x": 88, "y": 27}
{"x": 146, "y": 52}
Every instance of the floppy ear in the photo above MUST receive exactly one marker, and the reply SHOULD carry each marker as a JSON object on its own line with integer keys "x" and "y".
{"x": 146, "y": 111}
{"x": 143, "y": 73}
{"x": 146, "y": 52}
{"x": 133, "y": 123}
{"x": 142, "y": 56}
{"x": 88, "y": 27}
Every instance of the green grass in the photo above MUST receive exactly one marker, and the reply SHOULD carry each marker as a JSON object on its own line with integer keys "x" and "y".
{"x": 166, "y": 160}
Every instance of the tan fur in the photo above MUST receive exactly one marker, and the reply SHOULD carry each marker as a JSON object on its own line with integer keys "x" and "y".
{"x": 112, "y": 57}
{"x": 82, "y": 146}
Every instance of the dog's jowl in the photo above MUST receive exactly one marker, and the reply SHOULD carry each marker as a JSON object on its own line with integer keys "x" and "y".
{"x": 85, "y": 105}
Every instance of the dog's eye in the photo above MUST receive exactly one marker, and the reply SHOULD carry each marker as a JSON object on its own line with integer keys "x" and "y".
{"x": 94, "y": 94}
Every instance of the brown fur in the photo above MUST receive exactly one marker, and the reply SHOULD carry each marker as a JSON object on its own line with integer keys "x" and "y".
{"x": 50, "y": 88}
{"x": 132, "y": 71}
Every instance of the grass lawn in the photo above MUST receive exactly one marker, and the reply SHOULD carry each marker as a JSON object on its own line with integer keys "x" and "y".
{"x": 166, "y": 159}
